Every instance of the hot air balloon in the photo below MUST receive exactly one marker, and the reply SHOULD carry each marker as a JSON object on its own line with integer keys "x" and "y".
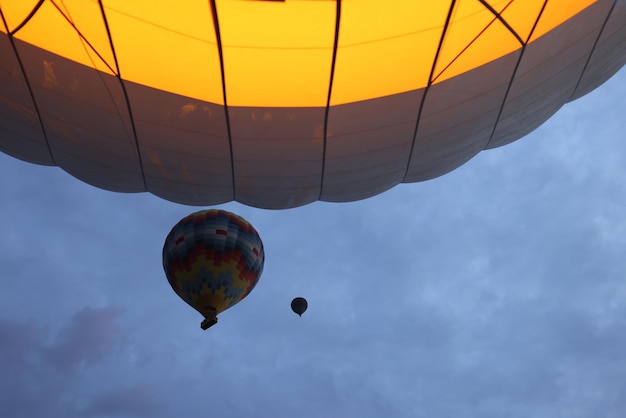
{"x": 212, "y": 260}
{"x": 299, "y": 305}
{"x": 279, "y": 104}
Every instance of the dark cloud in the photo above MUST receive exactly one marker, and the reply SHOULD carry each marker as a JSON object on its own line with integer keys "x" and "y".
{"x": 90, "y": 337}
{"x": 137, "y": 400}
{"x": 45, "y": 372}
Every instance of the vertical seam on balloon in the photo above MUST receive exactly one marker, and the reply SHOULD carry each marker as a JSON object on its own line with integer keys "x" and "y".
{"x": 126, "y": 98}
{"x": 27, "y": 81}
{"x": 517, "y": 64}
{"x": 68, "y": 18}
{"x": 25, "y": 21}
{"x": 595, "y": 44}
{"x": 218, "y": 38}
{"x": 330, "y": 90}
{"x": 430, "y": 81}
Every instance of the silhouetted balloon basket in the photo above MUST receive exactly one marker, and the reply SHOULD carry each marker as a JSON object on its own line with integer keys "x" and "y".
{"x": 208, "y": 323}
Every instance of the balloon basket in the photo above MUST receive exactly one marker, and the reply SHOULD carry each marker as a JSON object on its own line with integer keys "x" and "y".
{"x": 208, "y": 323}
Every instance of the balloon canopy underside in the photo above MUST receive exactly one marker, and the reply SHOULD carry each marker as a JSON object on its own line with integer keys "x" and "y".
{"x": 124, "y": 136}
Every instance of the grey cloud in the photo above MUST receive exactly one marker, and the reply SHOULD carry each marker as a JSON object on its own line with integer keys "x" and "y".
{"x": 90, "y": 336}
{"x": 44, "y": 371}
{"x": 134, "y": 400}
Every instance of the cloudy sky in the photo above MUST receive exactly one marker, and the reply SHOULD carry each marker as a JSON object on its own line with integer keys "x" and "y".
{"x": 498, "y": 290}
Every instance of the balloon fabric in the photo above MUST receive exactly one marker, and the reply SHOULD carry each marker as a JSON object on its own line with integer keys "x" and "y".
{"x": 212, "y": 260}
{"x": 280, "y": 104}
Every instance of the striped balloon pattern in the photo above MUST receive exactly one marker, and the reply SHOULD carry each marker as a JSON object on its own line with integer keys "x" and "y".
{"x": 212, "y": 260}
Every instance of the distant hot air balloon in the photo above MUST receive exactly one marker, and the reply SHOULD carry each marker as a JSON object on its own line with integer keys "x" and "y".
{"x": 277, "y": 104}
{"x": 299, "y": 305}
{"x": 212, "y": 260}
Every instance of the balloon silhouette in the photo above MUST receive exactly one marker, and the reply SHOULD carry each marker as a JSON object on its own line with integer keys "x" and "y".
{"x": 299, "y": 305}
{"x": 279, "y": 104}
{"x": 212, "y": 260}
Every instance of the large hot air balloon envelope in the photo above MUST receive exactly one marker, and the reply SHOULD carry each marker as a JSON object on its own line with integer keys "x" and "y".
{"x": 212, "y": 260}
{"x": 278, "y": 104}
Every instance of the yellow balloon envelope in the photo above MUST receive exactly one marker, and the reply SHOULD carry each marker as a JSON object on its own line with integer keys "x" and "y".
{"x": 278, "y": 104}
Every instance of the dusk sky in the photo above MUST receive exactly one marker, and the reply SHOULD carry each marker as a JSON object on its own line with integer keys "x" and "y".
{"x": 498, "y": 290}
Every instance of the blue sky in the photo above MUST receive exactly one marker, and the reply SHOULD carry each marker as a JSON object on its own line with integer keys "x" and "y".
{"x": 498, "y": 290}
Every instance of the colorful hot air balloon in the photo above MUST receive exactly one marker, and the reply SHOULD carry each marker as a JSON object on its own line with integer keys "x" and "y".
{"x": 299, "y": 305}
{"x": 212, "y": 260}
{"x": 278, "y": 104}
